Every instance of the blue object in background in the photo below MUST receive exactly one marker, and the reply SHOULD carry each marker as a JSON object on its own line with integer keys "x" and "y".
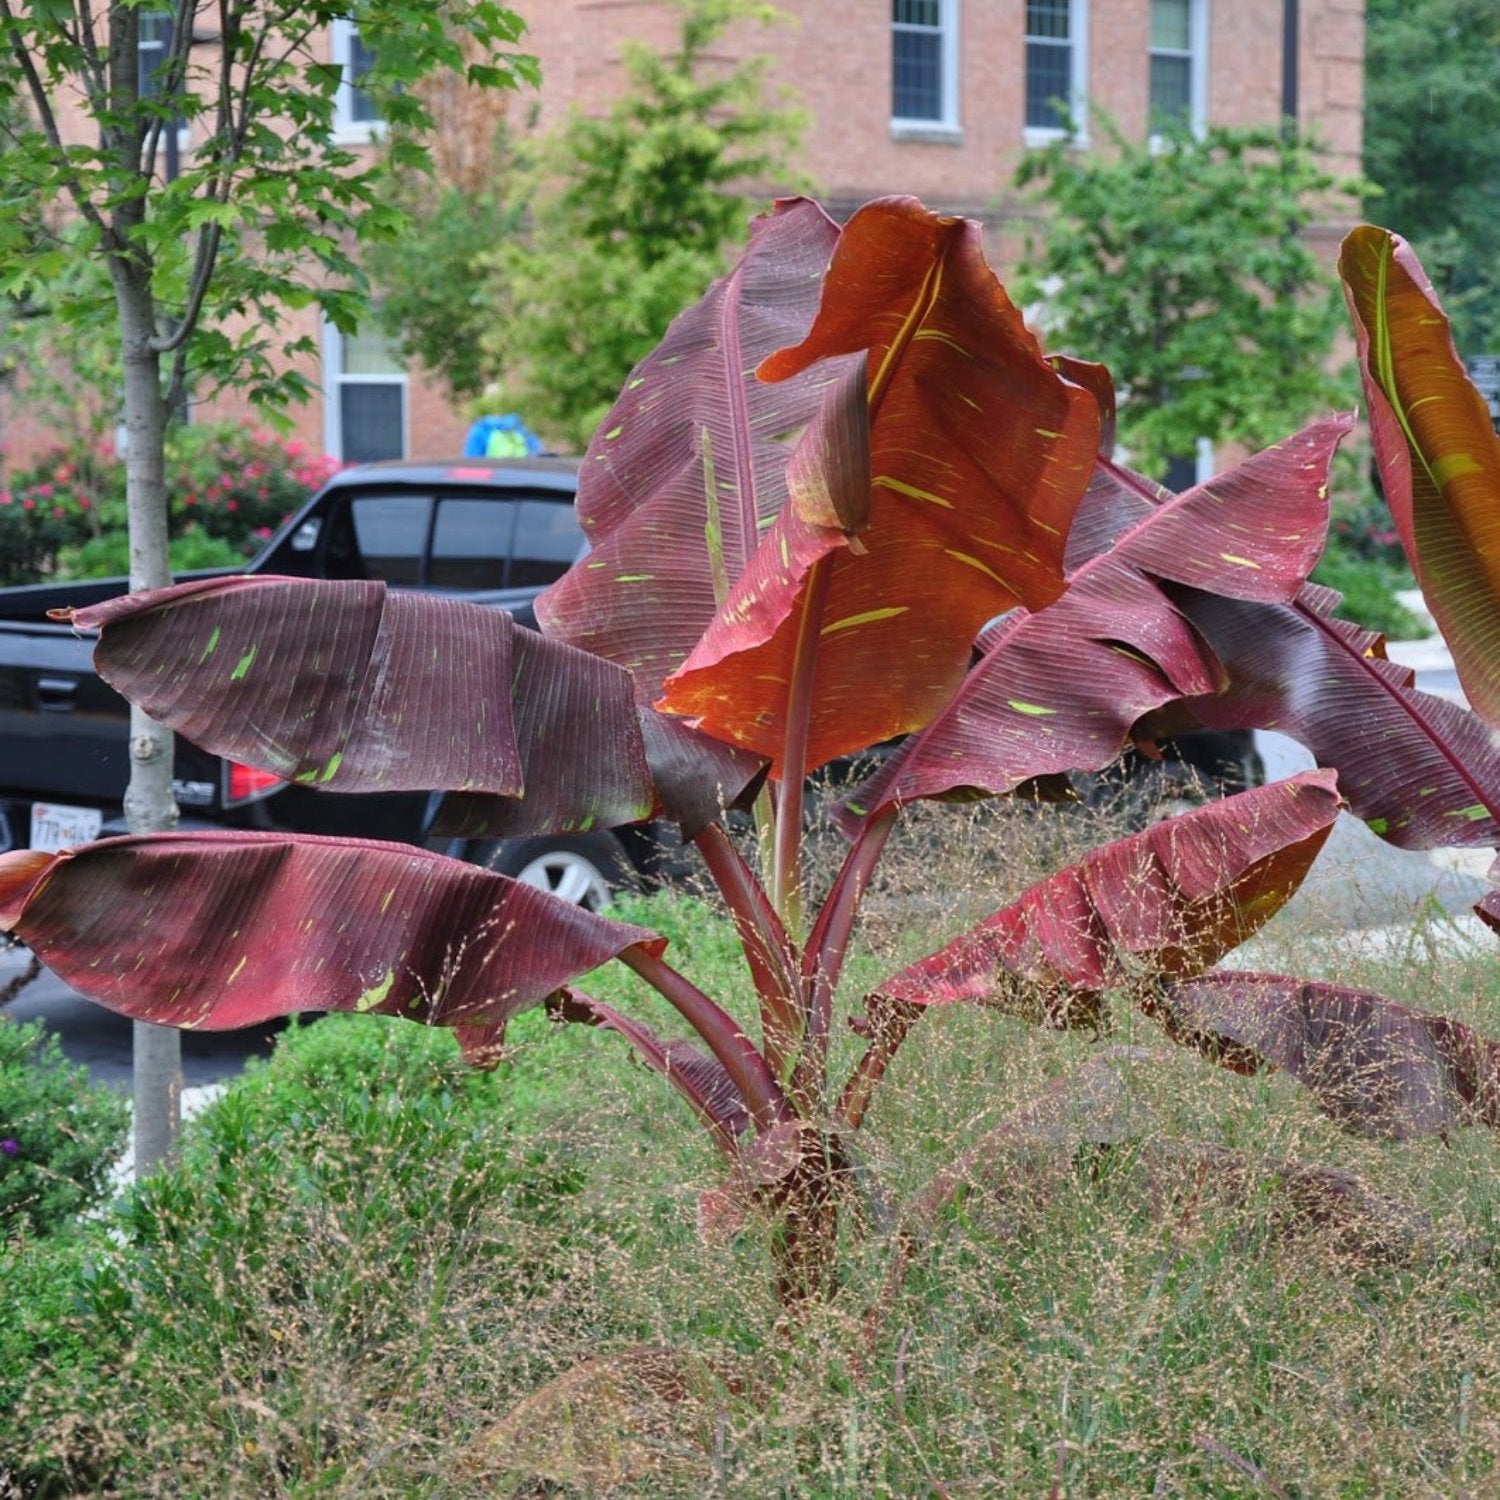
{"x": 501, "y": 437}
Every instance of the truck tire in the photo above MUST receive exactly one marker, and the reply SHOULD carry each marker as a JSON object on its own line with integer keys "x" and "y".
{"x": 584, "y": 868}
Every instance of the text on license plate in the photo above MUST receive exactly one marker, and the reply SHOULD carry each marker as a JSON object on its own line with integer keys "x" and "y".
{"x": 56, "y": 826}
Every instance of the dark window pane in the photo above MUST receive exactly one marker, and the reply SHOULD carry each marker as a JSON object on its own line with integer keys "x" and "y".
{"x": 391, "y": 534}
{"x": 916, "y": 12}
{"x": 1049, "y": 79}
{"x": 917, "y": 75}
{"x": 372, "y": 422}
{"x": 1048, "y": 18}
{"x": 362, "y": 108}
{"x": 470, "y": 543}
{"x": 1171, "y": 80}
{"x": 548, "y": 540}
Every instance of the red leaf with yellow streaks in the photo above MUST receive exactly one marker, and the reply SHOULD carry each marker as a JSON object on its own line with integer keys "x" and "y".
{"x": 1170, "y": 901}
{"x": 222, "y": 930}
{"x": 980, "y": 452}
{"x": 1437, "y": 449}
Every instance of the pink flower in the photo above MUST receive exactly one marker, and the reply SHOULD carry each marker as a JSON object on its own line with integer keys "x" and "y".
{"x": 83, "y": 502}
{"x": 45, "y": 491}
{"x": 232, "y": 505}
{"x": 57, "y": 512}
{"x": 5, "y": 497}
{"x": 28, "y": 503}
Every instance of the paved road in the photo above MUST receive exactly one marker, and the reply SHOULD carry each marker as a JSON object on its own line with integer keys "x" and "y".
{"x": 1359, "y": 882}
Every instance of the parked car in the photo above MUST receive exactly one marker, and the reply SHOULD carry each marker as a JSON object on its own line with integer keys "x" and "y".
{"x": 494, "y": 532}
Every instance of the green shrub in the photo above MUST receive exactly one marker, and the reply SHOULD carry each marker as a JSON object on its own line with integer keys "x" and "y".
{"x": 229, "y": 487}
{"x": 261, "y": 1306}
{"x": 108, "y": 555}
{"x": 59, "y": 1134}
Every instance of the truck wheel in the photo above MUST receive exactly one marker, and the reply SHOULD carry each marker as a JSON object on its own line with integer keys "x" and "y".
{"x": 585, "y": 869}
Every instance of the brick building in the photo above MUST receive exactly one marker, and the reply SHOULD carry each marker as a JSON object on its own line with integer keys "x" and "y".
{"x": 939, "y": 98}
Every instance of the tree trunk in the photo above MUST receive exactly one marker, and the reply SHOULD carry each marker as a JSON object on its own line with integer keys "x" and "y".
{"x": 149, "y": 803}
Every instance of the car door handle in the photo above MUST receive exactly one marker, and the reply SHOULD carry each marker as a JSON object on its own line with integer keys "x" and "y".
{"x": 54, "y": 695}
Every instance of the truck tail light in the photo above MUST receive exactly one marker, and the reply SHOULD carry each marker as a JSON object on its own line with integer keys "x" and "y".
{"x": 246, "y": 784}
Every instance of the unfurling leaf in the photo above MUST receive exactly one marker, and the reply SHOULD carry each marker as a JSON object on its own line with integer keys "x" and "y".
{"x": 686, "y": 470}
{"x": 979, "y": 455}
{"x": 222, "y": 930}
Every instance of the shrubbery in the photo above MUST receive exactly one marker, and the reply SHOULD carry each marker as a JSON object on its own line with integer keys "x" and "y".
{"x": 277, "y": 1287}
{"x": 229, "y": 488}
{"x": 59, "y": 1134}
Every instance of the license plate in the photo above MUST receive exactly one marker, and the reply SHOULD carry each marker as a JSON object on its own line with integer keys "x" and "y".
{"x": 56, "y": 826}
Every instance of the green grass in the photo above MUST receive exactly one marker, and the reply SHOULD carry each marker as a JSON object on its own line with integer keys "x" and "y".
{"x": 369, "y": 1257}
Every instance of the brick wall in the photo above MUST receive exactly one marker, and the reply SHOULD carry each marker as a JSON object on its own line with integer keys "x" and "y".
{"x": 834, "y": 58}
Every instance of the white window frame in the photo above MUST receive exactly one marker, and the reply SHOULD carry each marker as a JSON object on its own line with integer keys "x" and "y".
{"x": 946, "y": 125}
{"x": 1078, "y": 81}
{"x": 334, "y": 382}
{"x": 346, "y": 129}
{"x": 1197, "y": 59}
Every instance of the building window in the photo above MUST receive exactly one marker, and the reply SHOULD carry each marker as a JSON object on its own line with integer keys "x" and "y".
{"x": 355, "y": 110}
{"x": 1179, "y": 52}
{"x": 1056, "y": 68}
{"x": 924, "y": 64}
{"x": 364, "y": 397}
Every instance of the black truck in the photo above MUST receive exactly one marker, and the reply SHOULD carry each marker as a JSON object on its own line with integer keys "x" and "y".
{"x": 492, "y": 531}
{"x": 496, "y": 532}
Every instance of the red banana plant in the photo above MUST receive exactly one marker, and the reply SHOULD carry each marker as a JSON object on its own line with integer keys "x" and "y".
{"x": 838, "y": 472}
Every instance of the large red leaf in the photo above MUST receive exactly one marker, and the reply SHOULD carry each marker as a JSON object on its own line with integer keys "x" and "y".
{"x": 353, "y": 687}
{"x": 1376, "y": 1067}
{"x": 1060, "y": 689}
{"x": 686, "y": 470}
{"x": 1170, "y": 901}
{"x": 221, "y": 930}
{"x": 979, "y": 451}
{"x": 1421, "y": 771}
{"x": 1438, "y": 452}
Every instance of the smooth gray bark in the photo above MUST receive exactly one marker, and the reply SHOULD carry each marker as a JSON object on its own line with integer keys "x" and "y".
{"x": 150, "y": 806}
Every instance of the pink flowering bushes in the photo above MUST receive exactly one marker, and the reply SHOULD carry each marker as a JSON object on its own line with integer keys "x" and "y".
{"x": 229, "y": 488}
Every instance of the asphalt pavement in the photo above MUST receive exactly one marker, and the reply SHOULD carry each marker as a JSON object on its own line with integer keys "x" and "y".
{"x": 1359, "y": 883}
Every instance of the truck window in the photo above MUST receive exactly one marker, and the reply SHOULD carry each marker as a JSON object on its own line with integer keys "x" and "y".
{"x": 391, "y": 534}
{"x": 470, "y": 544}
{"x": 548, "y": 541}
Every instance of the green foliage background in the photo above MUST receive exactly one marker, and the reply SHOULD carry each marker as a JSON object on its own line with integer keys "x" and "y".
{"x": 543, "y": 292}
{"x": 1180, "y": 266}
{"x": 1432, "y": 146}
